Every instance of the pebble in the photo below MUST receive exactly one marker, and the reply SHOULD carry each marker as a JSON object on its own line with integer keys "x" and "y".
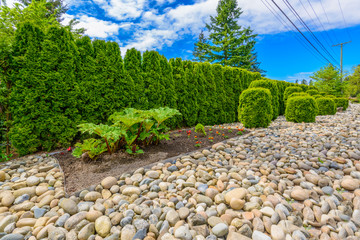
{"x": 289, "y": 181}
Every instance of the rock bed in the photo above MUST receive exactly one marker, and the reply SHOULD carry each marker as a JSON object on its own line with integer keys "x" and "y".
{"x": 290, "y": 181}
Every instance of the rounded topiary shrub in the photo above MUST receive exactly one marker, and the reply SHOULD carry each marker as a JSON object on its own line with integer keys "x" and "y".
{"x": 301, "y": 109}
{"x": 274, "y": 90}
{"x": 255, "y": 107}
{"x": 291, "y": 90}
{"x": 326, "y": 106}
{"x": 317, "y": 96}
{"x": 297, "y": 94}
{"x": 330, "y": 96}
{"x": 312, "y": 92}
{"x": 342, "y": 102}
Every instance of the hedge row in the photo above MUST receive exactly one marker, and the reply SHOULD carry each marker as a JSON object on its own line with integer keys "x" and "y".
{"x": 59, "y": 82}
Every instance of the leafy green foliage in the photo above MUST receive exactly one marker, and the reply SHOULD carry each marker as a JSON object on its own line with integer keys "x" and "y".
{"x": 228, "y": 43}
{"x": 131, "y": 128}
{"x": 301, "y": 109}
{"x": 220, "y": 96}
{"x": 317, "y": 96}
{"x": 353, "y": 86}
{"x": 341, "y": 102}
{"x": 255, "y": 108}
{"x": 290, "y": 90}
{"x": 297, "y": 94}
{"x": 326, "y": 106}
{"x": 312, "y": 92}
{"x": 272, "y": 86}
{"x": 199, "y": 128}
{"x": 328, "y": 79}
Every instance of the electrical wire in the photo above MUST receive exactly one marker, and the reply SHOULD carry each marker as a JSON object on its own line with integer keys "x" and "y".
{"x": 327, "y": 18}
{"x": 302, "y": 34}
{"x": 345, "y": 23}
{"x": 292, "y": 9}
{"x": 288, "y": 27}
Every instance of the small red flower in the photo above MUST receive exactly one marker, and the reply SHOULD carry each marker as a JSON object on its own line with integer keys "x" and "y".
{"x": 62, "y": 153}
{"x": 180, "y": 131}
{"x": 69, "y": 149}
{"x": 197, "y": 142}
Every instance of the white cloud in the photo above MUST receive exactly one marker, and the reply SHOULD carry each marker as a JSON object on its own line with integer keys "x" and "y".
{"x": 155, "y": 30}
{"x": 97, "y": 28}
{"x": 299, "y": 76}
{"x": 122, "y": 9}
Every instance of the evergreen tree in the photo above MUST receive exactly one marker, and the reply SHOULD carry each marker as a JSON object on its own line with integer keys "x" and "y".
{"x": 210, "y": 89}
{"x": 46, "y": 88}
{"x": 86, "y": 77}
{"x": 237, "y": 89}
{"x": 132, "y": 63}
{"x": 229, "y": 107}
{"x": 168, "y": 85}
{"x": 191, "y": 94}
{"x": 304, "y": 82}
{"x": 181, "y": 88}
{"x": 154, "y": 91}
{"x": 199, "y": 48}
{"x": 328, "y": 79}
{"x": 203, "y": 104}
{"x": 220, "y": 95}
{"x": 55, "y": 7}
{"x": 228, "y": 43}
{"x": 122, "y": 93}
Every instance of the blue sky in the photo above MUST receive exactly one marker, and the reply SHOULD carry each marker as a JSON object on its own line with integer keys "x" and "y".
{"x": 172, "y": 27}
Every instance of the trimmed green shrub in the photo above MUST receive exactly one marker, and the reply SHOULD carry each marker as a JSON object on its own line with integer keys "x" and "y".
{"x": 289, "y": 91}
{"x": 203, "y": 104}
{"x": 274, "y": 90}
{"x": 326, "y": 106}
{"x": 322, "y": 93}
{"x": 191, "y": 95}
{"x": 181, "y": 85}
{"x": 342, "y": 102}
{"x": 298, "y": 94}
{"x": 255, "y": 107}
{"x": 230, "y": 106}
{"x": 330, "y": 96}
{"x": 312, "y": 92}
{"x": 317, "y": 96}
{"x": 301, "y": 109}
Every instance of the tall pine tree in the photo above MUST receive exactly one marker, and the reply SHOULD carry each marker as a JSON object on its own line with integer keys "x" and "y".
{"x": 199, "y": 48}
{"x": 228, "y": 43}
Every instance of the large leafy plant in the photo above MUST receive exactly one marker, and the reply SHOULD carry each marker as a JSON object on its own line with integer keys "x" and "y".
{"x": 131, "y": 129}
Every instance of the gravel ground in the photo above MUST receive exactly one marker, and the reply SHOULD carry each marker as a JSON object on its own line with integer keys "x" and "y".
{"x": 289, "y": 181}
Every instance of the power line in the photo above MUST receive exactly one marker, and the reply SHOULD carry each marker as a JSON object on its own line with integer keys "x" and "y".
{"x": 327, "y": 18}
{"x": 288, "y": 27}
{"x": 322, "y": 25}
{"x": 317, "y": 27}
{"x": 300, "y": 32}
{"x": 292, "y": 9}
{"x": 346, "y": 25}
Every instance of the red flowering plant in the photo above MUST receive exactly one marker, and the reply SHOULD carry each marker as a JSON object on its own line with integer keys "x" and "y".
{"x": 198, "y": 144}
{"x": 211, "y": 139}
{"x": 240, "y": 131}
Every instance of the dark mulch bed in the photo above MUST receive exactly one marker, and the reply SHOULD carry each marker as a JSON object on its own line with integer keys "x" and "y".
{"x": 80, "y": 174}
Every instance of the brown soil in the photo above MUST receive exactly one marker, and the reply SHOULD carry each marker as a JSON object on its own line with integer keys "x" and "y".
{"x": 80, "y": 174}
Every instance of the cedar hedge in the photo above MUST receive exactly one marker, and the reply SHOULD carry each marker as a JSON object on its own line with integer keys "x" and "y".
{"x": 301, "y": 109}
{"x": 341, "y": 102}
{"x": 255, "y": 108}
{"x": 326, "y": 106}
{"x": 274, "y": 90}
{"x": 60, "y": 82}
{"x": 317, "y": 96}
{"x": 312, "y": 92}
{"x": 298, "y": 94}
{"x": 289, "y": 91}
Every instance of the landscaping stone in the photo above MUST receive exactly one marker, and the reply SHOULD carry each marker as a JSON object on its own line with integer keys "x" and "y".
{"x": 289, "y": 181}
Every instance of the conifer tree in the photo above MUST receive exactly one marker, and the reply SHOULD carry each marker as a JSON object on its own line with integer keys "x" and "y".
{"x": 228, "y": 43}
{"x": 191, "y": 94}
{"x": 203, "y": 104}
{"x": 181, "y": 88}
{"x": 229, "y": 107}
{"x": 132, "y": 63}
{"x": 167, "y": 82}
{"x": 220, "y": 92}
{"x": 237, "y": 88}
{"x": 122, "y": 93}
{"x": 152, "y": 79}
{"x": 199, "y": 48}
{"x": 210, "y": 88}
{"x": 86, "y": 77}
{"x": 46, "y": 88}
